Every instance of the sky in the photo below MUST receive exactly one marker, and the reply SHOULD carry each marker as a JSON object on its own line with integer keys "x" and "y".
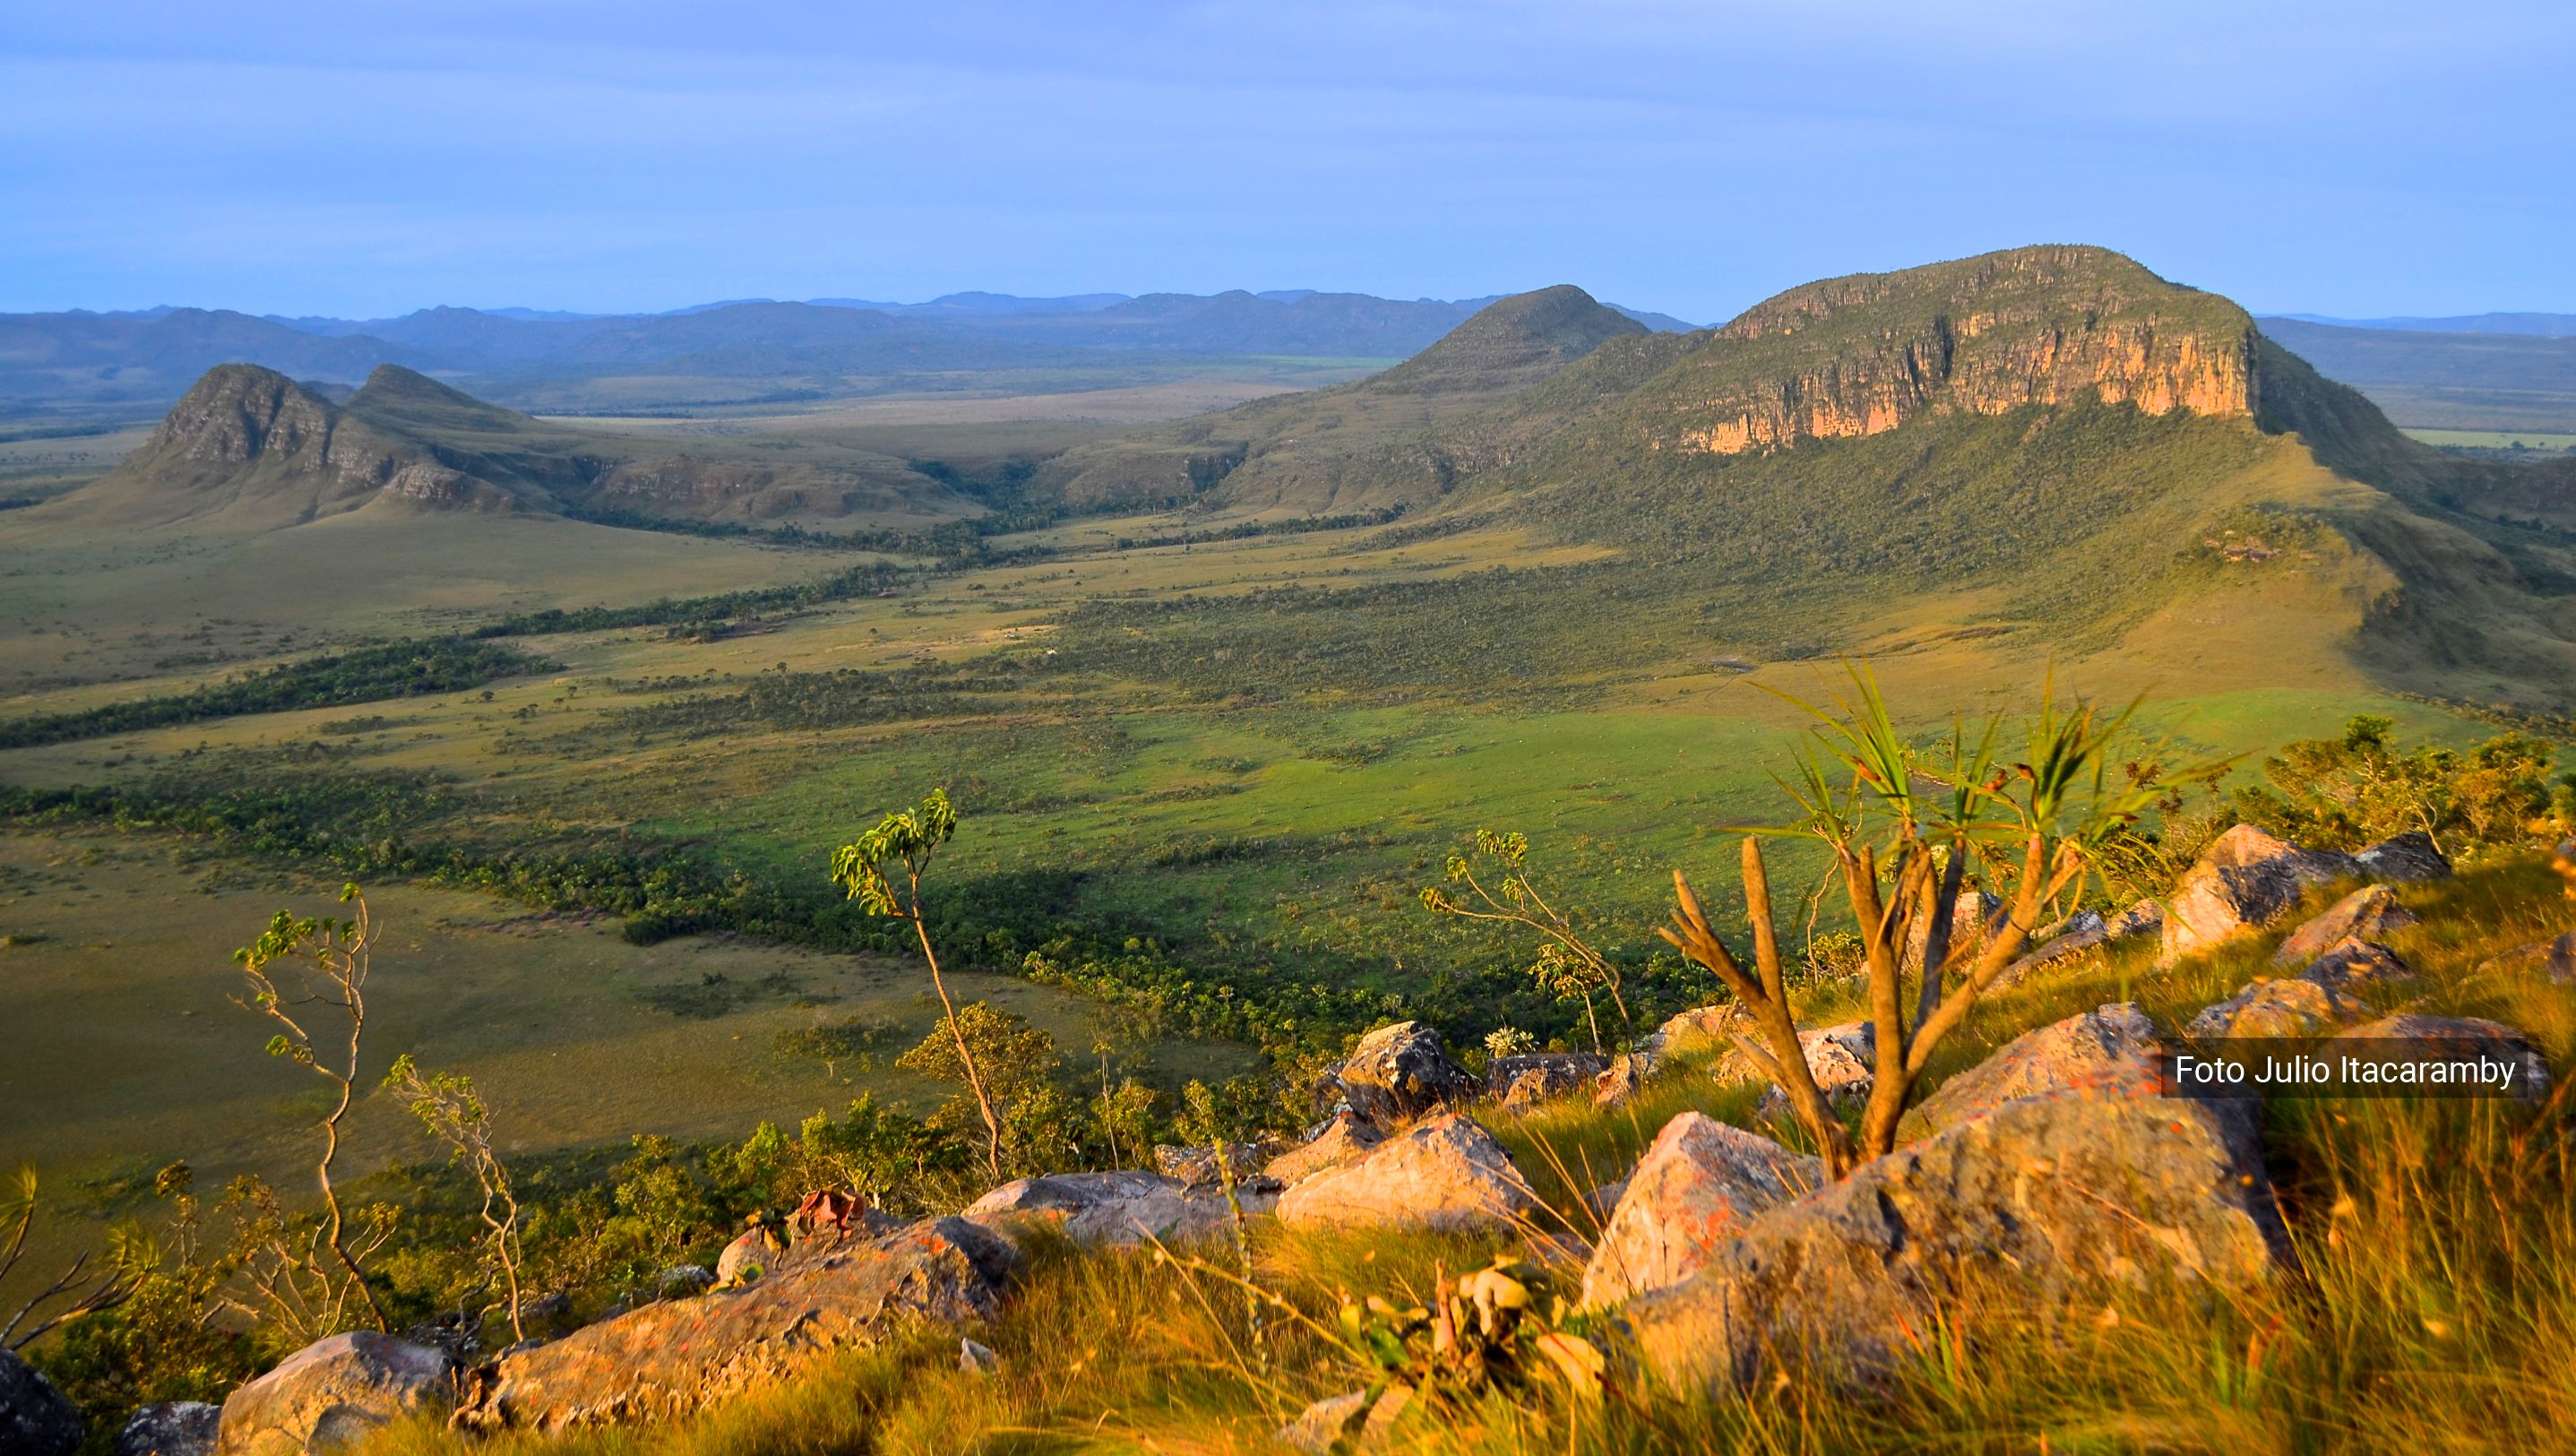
{"x": 2355, "y": 159}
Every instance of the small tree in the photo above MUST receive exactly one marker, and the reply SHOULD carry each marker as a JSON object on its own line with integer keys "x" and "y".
{"x": 1900, "y": 825}
{"x": 1499, "y": 888}
{"x": 333, "y": 958}
{"x": 453, "y": 1112}
{"x": 906, "y": 840}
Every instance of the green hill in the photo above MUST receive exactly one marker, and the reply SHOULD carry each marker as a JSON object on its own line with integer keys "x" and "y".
{"x": 248, "y": 450}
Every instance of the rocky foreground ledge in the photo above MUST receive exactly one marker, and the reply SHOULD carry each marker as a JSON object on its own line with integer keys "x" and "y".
{"x": 2057, "y": 1163}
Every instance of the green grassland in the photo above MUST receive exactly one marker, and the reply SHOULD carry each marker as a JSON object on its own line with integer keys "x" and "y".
{"x": 1244, "y": 756}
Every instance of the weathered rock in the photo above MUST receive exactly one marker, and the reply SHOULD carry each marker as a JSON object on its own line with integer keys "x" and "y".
{"x": 1345, "y": 1137}
{"x": 1699, "y": 1184}
{"x": 1974, "y": 915}
{"x": 670, "y": 1359}
{"x": 1699, "y": 1028}
{"x": 1121, "y": 1208}
{"x": 1196, "y": 1166}
{"x": 2411, "y": 856}
{"x": 1320, "y": 1427}
{"x": 2244, "y": 881}
{"x": 331, "y": 1393}
{"x": 2291, "y": 1006}
{"x": 2466, "y": 1038}
{"x": 752, "y": 1253}
{"x": 1396, "y": 1073}
{"x": 2555, "y": 959}
{"x": 2366, "y": 914}
{"x": 977, "y": 1358}
{"x": 170, "y": 1428}
{"x": 2106, "y": 1052}
{"x": 1534, "y": 1077}
{"x": 35, "y": 1419}
{"x": 2077, "y": 933}
{"x": 682, "y": 1280}
{"x": 2351, "y": 963}
{"x": 1626, "y": 1076}
{"x": 1447, "y": 1172}
{"x": 2144, "y": 918}
{"x": 1842, "y": 1058}
{"x": 2052, "y": 1193}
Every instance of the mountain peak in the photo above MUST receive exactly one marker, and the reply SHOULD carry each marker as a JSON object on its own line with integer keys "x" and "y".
{"x": 1519, "y": 339}
{"x": 236, "y": 413}
{"x": 407, "y": 399}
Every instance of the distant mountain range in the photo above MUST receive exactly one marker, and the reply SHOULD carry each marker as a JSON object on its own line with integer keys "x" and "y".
{"x": 103, "y": 363}
{"x": 2548, "y": 325}
{"x": 2482, "y": 379}
{"x": 2051, "y": 442}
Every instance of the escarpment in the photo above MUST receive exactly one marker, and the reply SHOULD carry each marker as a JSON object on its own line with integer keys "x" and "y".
{"x": 1986, "y": 335}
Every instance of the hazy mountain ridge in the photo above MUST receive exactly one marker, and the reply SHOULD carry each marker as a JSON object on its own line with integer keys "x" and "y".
{"x": 2500, "y": 380}
{"x": 148, "y": 357}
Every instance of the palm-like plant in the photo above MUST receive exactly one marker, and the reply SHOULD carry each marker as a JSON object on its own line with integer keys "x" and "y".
{"x": 1902, "y": 825}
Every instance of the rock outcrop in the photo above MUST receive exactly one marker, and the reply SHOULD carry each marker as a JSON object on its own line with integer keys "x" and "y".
{"x": 1534, "y": 1077}
{"x": 2245, "y": 881}
{"x": 2409, "y": 857}
{"x": 35, "y": 1419}
{"x": 1445, "y": 1173}
{"x": 1984, "y": 335}
{"x": 1120, "y": 1208}
{"x": 2107, "y": 1053}
{"x": 1396, "y": 1073}
{"x": 2051, "y": 1193}
{"x": 2351, "y": 963}
{"x": 670, "y": 1359}
{"x": 332, "y": 1393}
{"x": 1842, "y": 1058}
{"x": 1345, "y": 1137}
{"x": 171, "y": 1428}
{"x": 1700, "y": 1183}
{"x": 2368, "y": 913}
{"x": 2292, "y": 1006}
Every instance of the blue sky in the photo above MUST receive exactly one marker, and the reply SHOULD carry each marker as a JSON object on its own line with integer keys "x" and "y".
{"x": 361, "y": 159}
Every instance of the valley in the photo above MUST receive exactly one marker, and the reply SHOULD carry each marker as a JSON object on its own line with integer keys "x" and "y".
{"x": 1216, "y": 697}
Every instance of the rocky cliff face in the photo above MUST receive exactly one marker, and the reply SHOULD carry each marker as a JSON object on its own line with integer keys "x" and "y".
{"x": 2033, "y": 326}
{"x": 241, "y": 414}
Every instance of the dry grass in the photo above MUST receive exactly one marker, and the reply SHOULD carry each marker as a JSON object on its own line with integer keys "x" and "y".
{"x": 2434, "y": 1309}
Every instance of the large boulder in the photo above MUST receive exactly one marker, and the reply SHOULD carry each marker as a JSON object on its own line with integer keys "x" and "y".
{"x": 332, "y": 1393}
{"x": 1396, "y": 1073}
{"x": 1196, "y": 1165}
{"x": 2368, "y": 913}
{"x": 2411, "y": 856}
{"x": 1534, "y": 1077}
{"x": 2052, "y": 1193}
{"x": 2106, "y": 1052}
{"x": 1698, "y": 1185}
{"x": 2246, "y": 880}
{"x": 1445, "y": 1173}
{"x": 1345, "y": 1137}
{"x": 170, "y": 1428}
{"x": 35, "y": 1419}
{"x": 670, "y": 1359}
{"x": 2463, "y": 1039}
{"x": 1118, "y": 1209}
{"x": 2291, "y": 1006}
